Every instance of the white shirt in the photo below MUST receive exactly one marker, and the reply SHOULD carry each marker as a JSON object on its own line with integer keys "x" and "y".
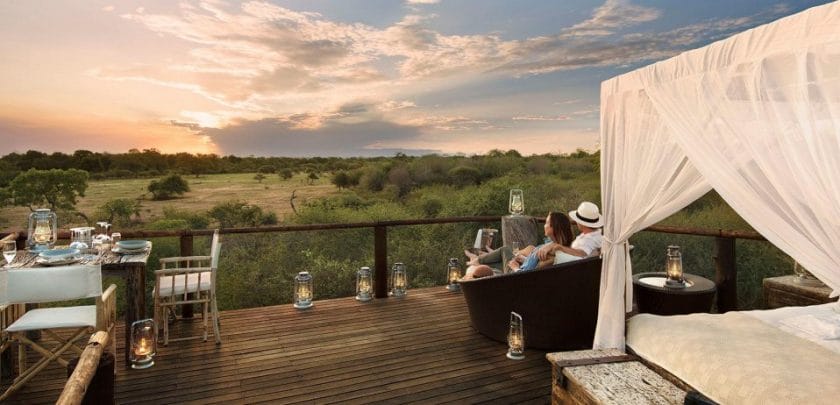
{"x": 588, "y": 242}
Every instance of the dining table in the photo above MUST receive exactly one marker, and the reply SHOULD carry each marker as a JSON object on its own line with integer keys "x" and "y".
{"x": 130, "y": 267}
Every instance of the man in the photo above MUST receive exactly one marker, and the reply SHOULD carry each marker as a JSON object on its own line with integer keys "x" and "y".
{"x": 588, "y": 220}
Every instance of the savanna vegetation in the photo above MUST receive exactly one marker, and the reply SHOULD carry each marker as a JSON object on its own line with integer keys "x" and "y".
{"x": 258, "y": 269}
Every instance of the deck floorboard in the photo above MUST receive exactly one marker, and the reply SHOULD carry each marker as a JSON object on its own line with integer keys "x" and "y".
{"x": 418, "y": 349}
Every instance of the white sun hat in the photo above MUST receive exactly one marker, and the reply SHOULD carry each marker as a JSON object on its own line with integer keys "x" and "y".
{"x": 588, "y": 215}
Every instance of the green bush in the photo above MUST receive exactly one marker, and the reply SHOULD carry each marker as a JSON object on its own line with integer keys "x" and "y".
{"x": 168, "y": 187}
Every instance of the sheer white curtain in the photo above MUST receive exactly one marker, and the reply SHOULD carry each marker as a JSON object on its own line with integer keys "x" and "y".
{"x": 645, "y": 177}
{"x": 759, "y": 116}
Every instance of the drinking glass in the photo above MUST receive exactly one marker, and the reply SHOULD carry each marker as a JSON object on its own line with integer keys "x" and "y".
{"x": 9, "y": 251}
{"x": 515, "y": 247}
{"x": 517, "y": 202}
{"x": 115, "y": 237}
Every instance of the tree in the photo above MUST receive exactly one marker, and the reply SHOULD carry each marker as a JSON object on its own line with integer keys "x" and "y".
{"x": 286, "y": 174}
{"x": 341, "y": 180}
{"x": 55, "y": 188}
{"x": 311, "y": 178}
{"x": 239, "y": 213}
{"x": 267, "y": 169}
{"x": 259, "y": 177}
{"x": 120, "y": 210}
{"x": 168, "y": 187}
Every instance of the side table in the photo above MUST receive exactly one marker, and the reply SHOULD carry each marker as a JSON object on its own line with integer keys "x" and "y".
{"x": 786, "y": 291}
{"x": 697, "y": 296}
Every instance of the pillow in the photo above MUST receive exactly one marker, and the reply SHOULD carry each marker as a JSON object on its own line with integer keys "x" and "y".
{"x": 563, "y": 257}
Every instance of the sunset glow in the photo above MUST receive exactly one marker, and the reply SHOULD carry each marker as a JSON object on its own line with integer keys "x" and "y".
{"x": 339, "y": 78}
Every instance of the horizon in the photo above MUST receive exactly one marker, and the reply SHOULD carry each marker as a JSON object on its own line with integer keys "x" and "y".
{"x": 358, "y": 78}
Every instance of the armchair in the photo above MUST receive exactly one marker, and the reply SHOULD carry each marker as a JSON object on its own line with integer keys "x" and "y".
{"x": 185, "y": 281}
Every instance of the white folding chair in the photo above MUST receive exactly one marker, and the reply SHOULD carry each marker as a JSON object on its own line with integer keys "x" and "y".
{"x": 54, "y": 284}
{"x": 185, "y": 281}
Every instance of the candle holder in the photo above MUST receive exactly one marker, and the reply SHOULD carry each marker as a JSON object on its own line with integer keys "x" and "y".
{"x": 143, "y": 344}
{"x": 673, "y": 268}
{"x": 453, "y": 274}
{"x": 303, "y": 290}
{"x": 516, "y": 338}
{"x": 364, "y": 285}
{"x": 516, "y": 204}
{"x": 42, "y": 230}
{"x": 399, "y": 280}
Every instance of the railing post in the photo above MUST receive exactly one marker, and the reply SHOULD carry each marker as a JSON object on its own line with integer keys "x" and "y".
{"x": 380, "y": 261}
{"x": 186, "y": 250}
{"x": 726, "y": 274}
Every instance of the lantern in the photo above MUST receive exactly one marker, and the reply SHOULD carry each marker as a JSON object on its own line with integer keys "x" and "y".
{"x": 399, "y": 280}
{"x": 303, "y": 290}
{"x": 516, "y": 338}
{"x": 453, "y": 274}
{"x": 673, "y": 268}
{"x": 143, "y": 344}
{"x": 364, "y": 285}
{"x": 43, "y": 230}
{"x": 517, "y": 202}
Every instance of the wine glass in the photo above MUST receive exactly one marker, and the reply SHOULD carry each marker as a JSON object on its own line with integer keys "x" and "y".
{"x": 9, "y": 251}
{"x": 515, "y": 247}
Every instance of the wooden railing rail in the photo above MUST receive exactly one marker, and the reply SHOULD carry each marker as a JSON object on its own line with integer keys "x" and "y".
{"x": 724, "y": 256}
{"x": 78, "y": 383}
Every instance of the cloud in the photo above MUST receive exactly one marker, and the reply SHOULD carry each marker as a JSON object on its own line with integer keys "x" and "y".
{"x": 612, "y": 15}
{"x": 273, "y": 136}
{"x": 422, "y": 1}
{"x": 540, "y": 118}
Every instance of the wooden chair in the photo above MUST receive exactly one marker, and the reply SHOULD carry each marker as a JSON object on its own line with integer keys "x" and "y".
{"x": 54, "y": 284}
{"x": 185, "y": 281}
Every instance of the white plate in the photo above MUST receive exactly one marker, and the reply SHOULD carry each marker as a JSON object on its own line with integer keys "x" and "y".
{"x": 133, "y": 244}
{"x": 61, "y": 255}
{"x": 62, "y": 262}
{"x": 129, "y": 251}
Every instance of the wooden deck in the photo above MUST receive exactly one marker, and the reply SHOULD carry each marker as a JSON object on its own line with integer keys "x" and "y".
{"x": 420, "y": 348}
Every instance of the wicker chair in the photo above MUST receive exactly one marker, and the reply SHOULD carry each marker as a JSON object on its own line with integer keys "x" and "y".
{"x": 559, "y": 304}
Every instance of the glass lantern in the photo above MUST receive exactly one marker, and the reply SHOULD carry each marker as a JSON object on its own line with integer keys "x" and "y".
{"x": 143, "y": 344}
{"x": 399, "y": 280}
{"x": 674, "y": 269}
{"x": 517, "y": 202}
{"x": 516, "y": 338}
{"x": 303, "y": 290}
{"x": 453, "y": 274}
{"x": 364, "y": 285}
{"x": 42, "y": 230}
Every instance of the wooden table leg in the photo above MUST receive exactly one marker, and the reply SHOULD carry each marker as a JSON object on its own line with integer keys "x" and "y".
{"x": 135, "y": 298}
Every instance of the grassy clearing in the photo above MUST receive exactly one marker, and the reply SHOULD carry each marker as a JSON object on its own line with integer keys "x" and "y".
{"x": 272, "y": 194}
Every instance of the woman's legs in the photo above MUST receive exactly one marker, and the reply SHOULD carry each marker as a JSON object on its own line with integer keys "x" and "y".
{"x": 478, "y": 271}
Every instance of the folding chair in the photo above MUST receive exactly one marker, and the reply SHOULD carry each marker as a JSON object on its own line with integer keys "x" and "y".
{"x": 54, "y": 284}
{"x": 185, "y": 281}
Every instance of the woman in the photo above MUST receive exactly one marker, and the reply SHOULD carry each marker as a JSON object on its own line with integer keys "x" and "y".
{"x": 557, "y": 229}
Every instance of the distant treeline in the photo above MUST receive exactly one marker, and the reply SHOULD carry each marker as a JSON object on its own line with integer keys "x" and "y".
{"x": 152, "y": 163}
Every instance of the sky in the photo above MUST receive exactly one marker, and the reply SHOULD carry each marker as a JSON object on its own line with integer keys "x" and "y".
{"x": 335, "y": 78}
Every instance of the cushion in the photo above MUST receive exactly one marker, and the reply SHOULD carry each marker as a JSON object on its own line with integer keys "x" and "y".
{"x": 192, "y": 284}
{"x": 55, "y": 318}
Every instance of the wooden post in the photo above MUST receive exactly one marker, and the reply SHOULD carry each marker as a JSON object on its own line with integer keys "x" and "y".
{"x": 135, "y": 308}
{"x": 79, "y": 381}
{"x": 726, "y": 275}
{"x": 380, "y": 261}
{"x": 186, "y": 250}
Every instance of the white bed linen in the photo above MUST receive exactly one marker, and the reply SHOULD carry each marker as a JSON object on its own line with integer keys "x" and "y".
{"x": 794, "y": 320}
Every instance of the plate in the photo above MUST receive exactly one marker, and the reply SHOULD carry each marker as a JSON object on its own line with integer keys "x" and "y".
{"x": 129, "y": 251}
{"x": 57, "y": 262}
{"x": 58, "y": 255}
{"x": 132, "y": 244}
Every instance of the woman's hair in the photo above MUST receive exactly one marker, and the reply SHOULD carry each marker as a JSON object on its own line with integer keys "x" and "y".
{"x": 562, "y": 227}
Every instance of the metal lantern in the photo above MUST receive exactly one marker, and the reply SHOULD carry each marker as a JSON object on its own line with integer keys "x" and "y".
{"x": 143, "y": 344}
{"x": 43, "y": 230}
{"x": 517, "y": 202}
{"x": 364, "y": 285}
{"x": 303, "y": 290}
{"x": 516, "y": 338}
{"x": 453, "y": 274}
{"x": 674, "y": 269}
{"x": 399, "y": 280}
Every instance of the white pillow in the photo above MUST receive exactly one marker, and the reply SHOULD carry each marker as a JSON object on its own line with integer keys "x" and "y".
{"x": 563, "y": 257}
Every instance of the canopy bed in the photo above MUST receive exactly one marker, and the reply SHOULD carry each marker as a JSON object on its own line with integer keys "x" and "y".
{"x": 755, "y": 117}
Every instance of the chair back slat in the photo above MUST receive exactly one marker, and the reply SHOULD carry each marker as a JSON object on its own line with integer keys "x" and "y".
{"x": 47, "y": 284}
{"x": 215, "y": 249}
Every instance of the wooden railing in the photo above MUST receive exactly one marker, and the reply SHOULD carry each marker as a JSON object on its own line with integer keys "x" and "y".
{"x": 724, "y": 255}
